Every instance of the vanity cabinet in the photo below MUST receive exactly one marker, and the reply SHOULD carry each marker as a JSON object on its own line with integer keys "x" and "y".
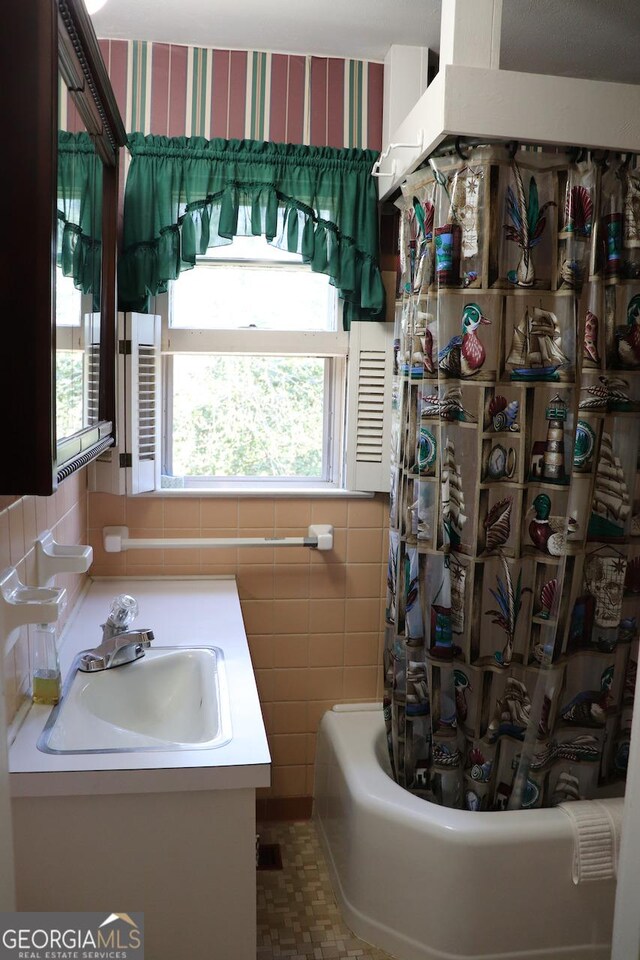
{"x": 168, "y": 832}
{"x": 62, "y": 137}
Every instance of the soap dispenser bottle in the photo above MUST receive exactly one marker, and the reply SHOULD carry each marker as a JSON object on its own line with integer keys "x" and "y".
{"x": 46, "y": 668}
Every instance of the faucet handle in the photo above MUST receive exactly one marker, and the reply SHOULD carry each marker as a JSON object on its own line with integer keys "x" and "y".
{"x": 141, "y": 639}
{"x": 123, "y": 611}
{"x": 90, "y": 662}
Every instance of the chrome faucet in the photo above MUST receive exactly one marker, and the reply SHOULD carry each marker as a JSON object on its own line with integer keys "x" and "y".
{"x": 122, "y": 648}
{"x": 119, "y": 645}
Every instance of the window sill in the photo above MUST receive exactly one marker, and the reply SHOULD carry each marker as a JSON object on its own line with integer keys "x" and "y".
{"x": 275, "y": 492}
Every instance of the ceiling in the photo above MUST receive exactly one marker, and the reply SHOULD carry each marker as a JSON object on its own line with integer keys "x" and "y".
{"x": 598, "y": 39}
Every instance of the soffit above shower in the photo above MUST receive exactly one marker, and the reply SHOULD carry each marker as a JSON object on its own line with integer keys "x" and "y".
{"x": 473, "y": 96}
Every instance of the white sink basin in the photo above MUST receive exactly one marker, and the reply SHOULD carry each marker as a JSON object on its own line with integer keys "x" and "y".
{"x": 173, "y": 698}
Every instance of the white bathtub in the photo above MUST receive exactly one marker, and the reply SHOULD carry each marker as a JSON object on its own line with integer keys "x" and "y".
{"x": 425, "y": 882}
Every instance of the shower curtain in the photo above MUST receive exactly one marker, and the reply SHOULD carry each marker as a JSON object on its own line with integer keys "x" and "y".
{"x": 514, "y": 547}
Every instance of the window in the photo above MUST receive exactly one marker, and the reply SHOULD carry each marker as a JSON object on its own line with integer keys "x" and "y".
{"x": 76, "y": 358}
{"x": 243, "y": 380}
{"x": 253, "y": 373}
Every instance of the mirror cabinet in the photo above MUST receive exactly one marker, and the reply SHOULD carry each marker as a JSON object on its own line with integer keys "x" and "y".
{"x": 63, "y": 135}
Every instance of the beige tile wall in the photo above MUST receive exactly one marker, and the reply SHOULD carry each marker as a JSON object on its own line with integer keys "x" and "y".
{"x": 21, "y": 520}
{"x": 314, "y": 620}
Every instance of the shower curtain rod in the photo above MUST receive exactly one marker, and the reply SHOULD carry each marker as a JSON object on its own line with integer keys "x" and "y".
{"x": 445, "y": 149}
{"x": 458, "y": 145}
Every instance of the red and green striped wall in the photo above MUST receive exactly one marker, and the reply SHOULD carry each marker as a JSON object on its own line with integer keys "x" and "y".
{"x": 196, "y": 91}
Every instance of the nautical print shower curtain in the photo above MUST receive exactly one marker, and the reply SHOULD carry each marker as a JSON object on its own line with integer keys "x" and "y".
{"x": 514, "y": 561}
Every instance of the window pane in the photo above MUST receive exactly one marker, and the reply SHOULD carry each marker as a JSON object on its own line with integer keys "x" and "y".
{"x": 248, "y": 416}
{"x": 233, "y": 295}
{"x": 249, "y": 248}
{"x": 69, "y": 393}
{"x": 68, "y": 301}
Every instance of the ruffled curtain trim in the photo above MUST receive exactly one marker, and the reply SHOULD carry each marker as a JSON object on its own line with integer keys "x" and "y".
{"x": 79, "y": 202}
{"x": 186, "y": 195}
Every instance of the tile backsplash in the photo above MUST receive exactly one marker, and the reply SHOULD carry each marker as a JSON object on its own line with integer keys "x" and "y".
{"x": 314, "y": 620}
{"x": 21, "y": 520}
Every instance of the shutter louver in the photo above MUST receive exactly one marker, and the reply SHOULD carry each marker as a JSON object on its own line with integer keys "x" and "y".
{"x": 93, "y": 364}
{"x": 142, "y": 365}
{"x": 147, "y": 387}
{"x": 91, "y": 343}
{"x": 105, "y": 473}
{"x": 370, "y": 409}
{"x": 369, "y": 406}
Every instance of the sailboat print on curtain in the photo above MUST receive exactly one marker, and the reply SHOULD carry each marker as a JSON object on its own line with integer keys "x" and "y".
{"x": 536, "y": 348}
{"x": 515, "y": 484}
{"x": 611, "y": 505}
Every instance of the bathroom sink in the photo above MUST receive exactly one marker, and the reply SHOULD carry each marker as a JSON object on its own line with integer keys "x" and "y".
{"x": 173, "y": 698}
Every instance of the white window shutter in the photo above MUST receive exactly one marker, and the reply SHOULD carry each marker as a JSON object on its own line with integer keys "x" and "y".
{"x": 107, "y": 473}
{"x": 369, "y": 378}
{"x": 134, "y": 465}
{"x": 142, "y": 399}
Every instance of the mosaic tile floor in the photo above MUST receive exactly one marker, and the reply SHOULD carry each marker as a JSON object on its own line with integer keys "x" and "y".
{"x": 298, "y": 917}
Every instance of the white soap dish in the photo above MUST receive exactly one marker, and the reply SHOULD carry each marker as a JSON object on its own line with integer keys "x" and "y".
{"x": 20, "y": 605}
{"x": 53, "y": 558}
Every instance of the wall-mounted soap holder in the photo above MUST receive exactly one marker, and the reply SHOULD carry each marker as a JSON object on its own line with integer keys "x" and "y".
{"x": 53, "y": 558}
{"x": 21, "y": 605}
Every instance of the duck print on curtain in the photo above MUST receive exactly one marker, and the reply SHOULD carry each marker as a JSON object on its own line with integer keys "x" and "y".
{"x": 514, "y": 562}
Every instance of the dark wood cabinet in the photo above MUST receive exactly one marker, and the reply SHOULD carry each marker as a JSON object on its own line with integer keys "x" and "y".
{"x": 50, "y": 67}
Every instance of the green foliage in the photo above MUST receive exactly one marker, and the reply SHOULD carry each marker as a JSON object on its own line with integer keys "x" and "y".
{"x": 247, "y": 416}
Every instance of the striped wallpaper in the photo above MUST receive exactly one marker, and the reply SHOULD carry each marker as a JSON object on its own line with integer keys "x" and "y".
{"x": 195, "y": 91}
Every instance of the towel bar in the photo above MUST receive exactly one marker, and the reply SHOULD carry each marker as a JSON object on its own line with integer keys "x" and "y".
{"x": 117, "y": 540}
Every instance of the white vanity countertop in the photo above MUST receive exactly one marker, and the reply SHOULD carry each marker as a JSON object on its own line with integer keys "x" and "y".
{"x": 198, "y": 612}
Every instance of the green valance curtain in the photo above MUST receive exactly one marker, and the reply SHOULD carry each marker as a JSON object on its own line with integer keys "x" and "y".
{"x": 79, "y": 205}
{"x": 185, "y": 195}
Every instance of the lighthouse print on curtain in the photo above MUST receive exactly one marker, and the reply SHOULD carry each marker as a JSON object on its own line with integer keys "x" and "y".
{"x": 514, "y": 560}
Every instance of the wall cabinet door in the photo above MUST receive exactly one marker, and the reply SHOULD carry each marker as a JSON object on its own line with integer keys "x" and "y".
{"x": 62, "y": 138}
